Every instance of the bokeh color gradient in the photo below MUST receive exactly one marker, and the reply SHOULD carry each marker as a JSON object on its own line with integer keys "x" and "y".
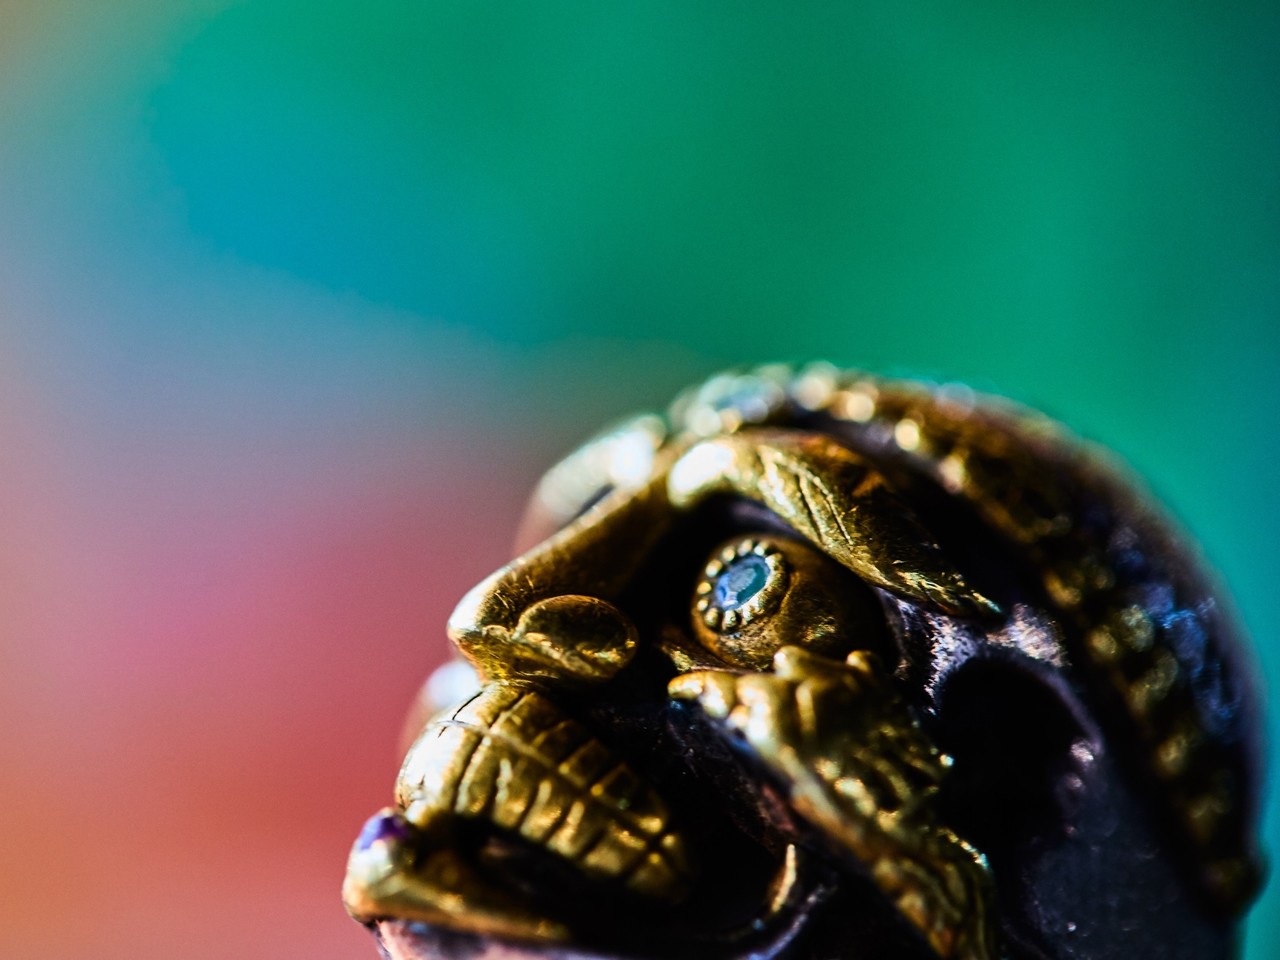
{"x": 298, "y": 299}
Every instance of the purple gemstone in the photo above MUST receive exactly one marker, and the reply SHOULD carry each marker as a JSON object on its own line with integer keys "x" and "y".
{"x": 383, "y": 826}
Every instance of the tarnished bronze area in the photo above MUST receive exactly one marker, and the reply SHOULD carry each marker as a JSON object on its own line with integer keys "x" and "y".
{"x": 720, "y": 693}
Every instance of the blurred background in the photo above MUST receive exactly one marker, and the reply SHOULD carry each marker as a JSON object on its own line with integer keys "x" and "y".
{"x": 297, "y": 299}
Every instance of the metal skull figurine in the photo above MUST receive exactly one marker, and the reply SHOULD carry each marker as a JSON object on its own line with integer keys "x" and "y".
{"x": 828, "y": 665}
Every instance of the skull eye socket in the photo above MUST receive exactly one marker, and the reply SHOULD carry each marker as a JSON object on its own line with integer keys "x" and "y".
{"x": 761, "y": 592}
{"x": 746, "y": 580}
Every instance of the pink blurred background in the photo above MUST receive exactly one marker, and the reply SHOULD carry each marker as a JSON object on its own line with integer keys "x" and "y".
{"x": 216, "y": 613}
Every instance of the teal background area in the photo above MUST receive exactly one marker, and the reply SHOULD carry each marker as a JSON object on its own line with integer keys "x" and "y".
{"x": 262, "y": 233}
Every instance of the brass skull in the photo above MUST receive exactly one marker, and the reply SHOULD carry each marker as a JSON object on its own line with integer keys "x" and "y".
{"x": 823, "y": 664}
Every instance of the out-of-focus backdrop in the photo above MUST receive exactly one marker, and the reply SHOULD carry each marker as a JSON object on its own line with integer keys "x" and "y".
{"x": 297, "y": 298}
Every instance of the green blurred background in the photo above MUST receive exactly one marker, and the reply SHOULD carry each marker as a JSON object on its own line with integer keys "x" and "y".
{"x": 267, "y": 265}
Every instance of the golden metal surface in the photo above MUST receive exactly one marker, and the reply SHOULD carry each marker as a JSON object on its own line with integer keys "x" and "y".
{"x": 782, "y": 669}
{"x": 511, "y": 756}
{"x": 436, "y": 883}
{"x": 1033, "y": 481}
{"x": 859, "y": 768}
{"x": 547, "y": 616}
{"x": 830, "y": 495}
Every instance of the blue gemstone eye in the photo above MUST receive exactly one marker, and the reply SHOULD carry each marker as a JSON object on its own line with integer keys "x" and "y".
{"x": 741, "y": 582}
{"x": 744, "y": 578}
